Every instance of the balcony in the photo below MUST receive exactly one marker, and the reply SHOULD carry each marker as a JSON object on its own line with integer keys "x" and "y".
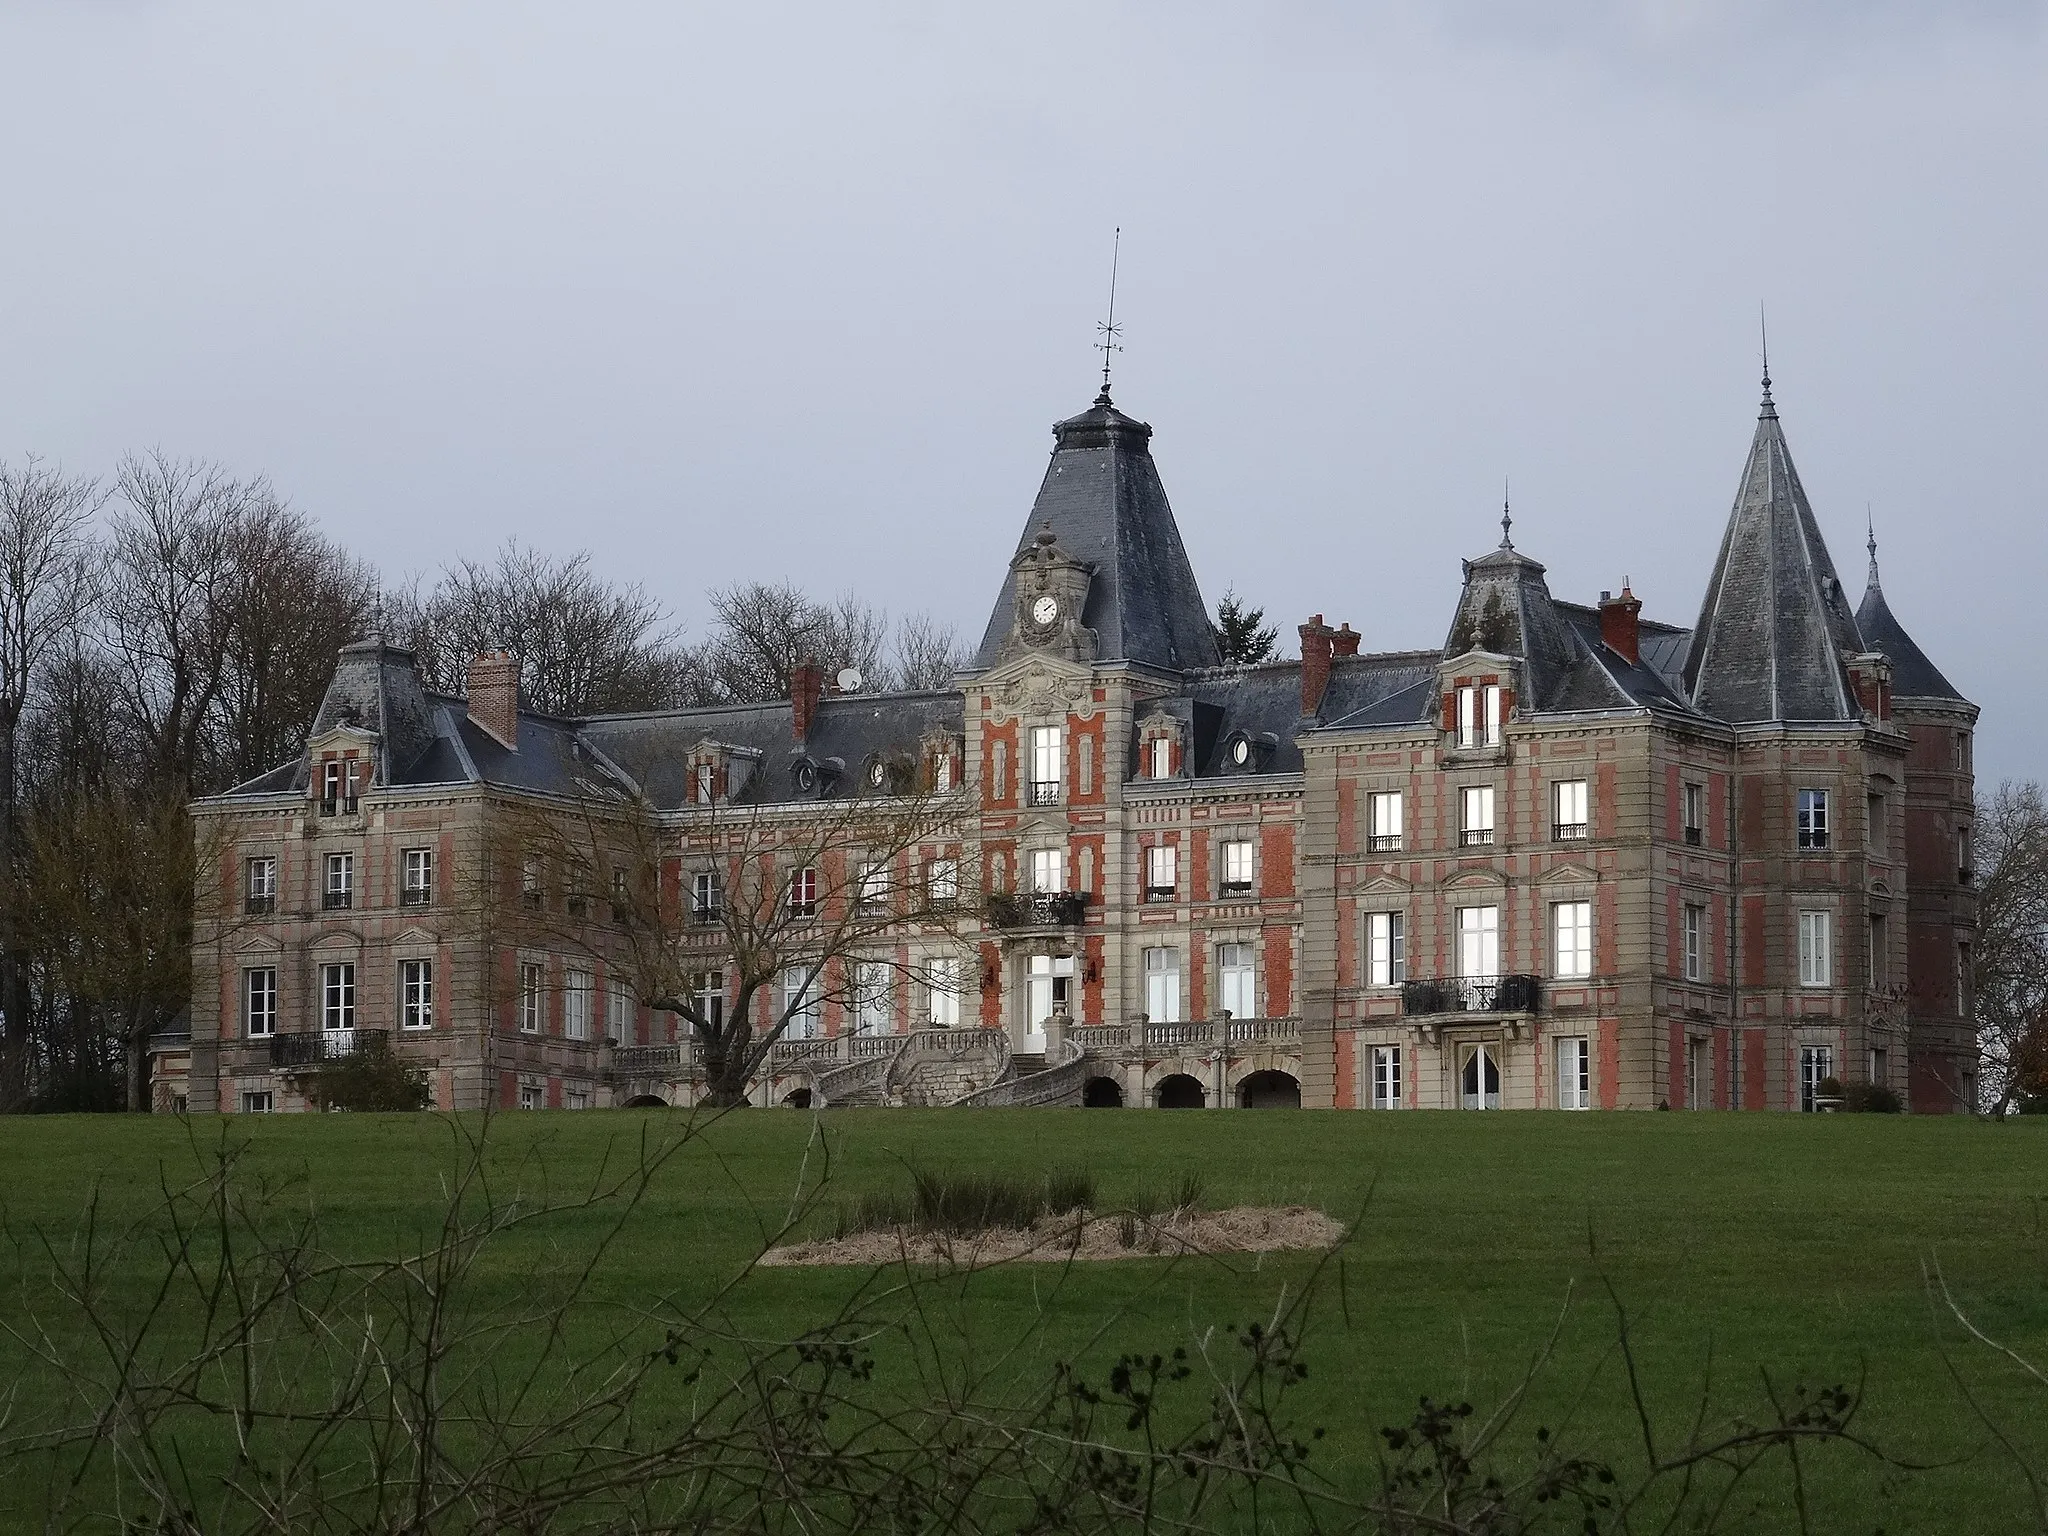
{"x": 1470, "y": 994}
{"x": 1383, "y": 842}
{"x": 338, "y": 901}
{"x": 1692, "y": 837}
{"x": 416, "y": 896}
{"x": 1230, "y": 888}
{"x": 315, "y": 1046}
{"x": 1037, "y": 909}
{"x": 1474, "y": 837}
{"x": 1568, "y": 832}
{"x": 261, "y": 906}
{"x": 1042, "y": 792}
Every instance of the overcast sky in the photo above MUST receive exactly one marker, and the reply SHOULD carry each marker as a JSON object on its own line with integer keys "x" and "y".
{"x": 783, "y": 291}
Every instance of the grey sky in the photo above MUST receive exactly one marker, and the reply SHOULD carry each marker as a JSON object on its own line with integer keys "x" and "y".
{"x": 796, "y": 291}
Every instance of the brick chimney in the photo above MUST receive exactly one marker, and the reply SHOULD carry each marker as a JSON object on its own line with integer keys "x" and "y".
{"x": 494, "y": 696}
{"x": 1318, "y": 644}
{"x": 1345, "y": 641}
{"x": 1618, "y": 626}
{"x": 806, "y": 687}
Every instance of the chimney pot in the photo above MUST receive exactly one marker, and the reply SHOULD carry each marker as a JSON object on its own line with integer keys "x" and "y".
{"x": 806, "y": 687}
{"x": 1619, "y": 626}
{"x": 1318, "y": 645}
{"x": 493, "y": 694}
{"x": 1345, "y": 641}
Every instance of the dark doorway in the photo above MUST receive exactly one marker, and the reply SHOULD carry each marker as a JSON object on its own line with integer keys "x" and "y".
{"x": 1269, "y": 1090}
{"x": 1180, "y": 1092}
{"x": 797, "y": 1098}
{"x": 1102, "y": 1093}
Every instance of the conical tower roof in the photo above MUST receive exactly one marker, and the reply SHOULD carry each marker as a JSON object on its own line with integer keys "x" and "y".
{"x": 1913, "y": 675}
{"x": 1775, "y": 629}
{"x": 1103, "y": 500}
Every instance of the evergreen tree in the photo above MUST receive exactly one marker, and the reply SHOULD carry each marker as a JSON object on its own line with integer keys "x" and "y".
{"x": 1239, "y": 632}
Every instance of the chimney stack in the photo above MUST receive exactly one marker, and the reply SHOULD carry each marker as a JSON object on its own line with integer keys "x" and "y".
{"x": 1618, "y": 626}
{"x": 806, "y": 687}
{"x": 1345, "y": 641}
{"x": 493, "y": 692}
{"x": 1318, "y": 644}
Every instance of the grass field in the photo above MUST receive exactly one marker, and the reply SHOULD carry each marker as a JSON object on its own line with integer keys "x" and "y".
{"x": 1788, "y": 1244}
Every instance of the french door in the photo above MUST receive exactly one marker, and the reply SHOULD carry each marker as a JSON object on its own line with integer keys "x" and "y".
{"x": 1048, "y": 988}
{"x": 1479, "y": 1077}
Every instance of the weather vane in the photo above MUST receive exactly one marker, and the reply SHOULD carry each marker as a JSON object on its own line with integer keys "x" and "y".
{"x": 1108, "y": 328}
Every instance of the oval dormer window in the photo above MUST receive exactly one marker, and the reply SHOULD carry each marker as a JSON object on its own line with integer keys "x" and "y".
{"x": 806, "y": 776}
{"x": 1240, "y": 751}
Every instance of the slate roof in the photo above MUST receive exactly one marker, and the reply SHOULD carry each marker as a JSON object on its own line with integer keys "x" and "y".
{"x": 1103, "y": 499}
{"x": 1263, "y": 704}
{"x": 1775, "y": 628}
{"x": 1913, "y": 675}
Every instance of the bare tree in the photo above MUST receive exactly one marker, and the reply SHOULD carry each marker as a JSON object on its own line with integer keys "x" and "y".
{"x": 762, "y": 631}
{"x": 2009, "y": 961}
{"x": 927, "y": 654}
{"x": 46, "y": 589}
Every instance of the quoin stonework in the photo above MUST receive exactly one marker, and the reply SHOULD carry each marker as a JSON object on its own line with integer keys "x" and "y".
{"x": 1569, "y": 858}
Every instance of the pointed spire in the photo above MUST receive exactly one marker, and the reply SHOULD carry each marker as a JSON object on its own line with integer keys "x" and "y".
{"x": 1507, "y": 523}
{"x": 1870, "y": 522}
{"x": 1767, "y": 411}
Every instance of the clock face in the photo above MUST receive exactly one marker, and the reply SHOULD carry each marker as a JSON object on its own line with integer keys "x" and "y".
{"x": 1045, "y": 610}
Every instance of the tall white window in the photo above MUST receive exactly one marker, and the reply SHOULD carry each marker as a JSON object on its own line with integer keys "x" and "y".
{"x": 1568, "y": 808}
{"x": 1816, "y": 949}
{"x": 1386, "y": 941}
{"x": 1237, "y": 868}
{"x": 1571, "y": 929}
{"x": 416, "y": 994}
{"x": 1048, "y": 869}
{"x": 1162, "y": 985}
{"x": 1162, "y": 757}
{"x": 341, "y": 881}
{"x": 416, "y": 889}
{"x": 621, "y": 1012}
{"x": 330, "y": 787}
{"x": 1234, "y": 981}
{"x": 942, "y": 772}
{"x": 1475, "y": 818}
{"x": 1692, "y": 923}
{"x": 530, "y": 882}
{"x": 942, "y": 881}
{"x": 1479, "y": 941}
{"x": 707, "y": 896}
{"x": 874, "y": 994}
{"x": 338, "y": 995}
{"x": 1162, "y": 871}
{"x": 532, "y": 986}
{"x": 1479, "y": 1077}
{"x": 707, "y": 992}
{"x": 1383, "y": 812}
{"x": 800, "y": 1003}
{"x": 942, "y": 991}
{"x": 577, "y": 989}
{"x": 1386, "y": 1077}
{"x": 707, "y": 783}
{"x": 1813, "y": 818}
{"x": 259, "y": 1001}
{"x": 1693, "y": 805}
{"x": 1816, "y": 1065}
{"x": 1479, "y": 716}
{"x": 1696, "y": 1074}
{"x": 262, "y": 886}
{"x": 803, "y": 892}
{"x": 874, "y": 887}
{"x": 1048, "y": 763}
{"x": 1574, "y": 1072}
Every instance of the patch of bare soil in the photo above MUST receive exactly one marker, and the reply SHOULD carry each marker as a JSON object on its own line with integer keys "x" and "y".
{"x": 1057, "y": 1239}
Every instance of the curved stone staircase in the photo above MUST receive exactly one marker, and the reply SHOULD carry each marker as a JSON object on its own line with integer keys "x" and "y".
{"x": 926, "y": 1066}
{"x": 1055, "y": 1078}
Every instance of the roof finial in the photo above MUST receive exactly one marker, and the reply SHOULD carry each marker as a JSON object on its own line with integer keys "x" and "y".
{"x": 1109, "y": 328}
{"x": 1507, "y": 523}
{"x": 1870, "y": 521}
{"x": 1768, "y": 409}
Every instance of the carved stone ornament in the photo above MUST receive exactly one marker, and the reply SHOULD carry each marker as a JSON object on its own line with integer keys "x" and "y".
{"x": 1051, "y": 588}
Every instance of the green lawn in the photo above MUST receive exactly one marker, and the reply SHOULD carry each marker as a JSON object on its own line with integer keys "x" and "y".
{"x": 1787, "y": 1243}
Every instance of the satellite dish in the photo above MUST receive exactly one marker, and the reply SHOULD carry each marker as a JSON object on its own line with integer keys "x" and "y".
{"x": 849, "y": 679}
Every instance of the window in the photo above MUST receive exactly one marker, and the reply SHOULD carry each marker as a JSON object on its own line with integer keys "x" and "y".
{"x": 1568, "y": 807}
{"x": 416, "y": 994}
{"x": 874, "y": 888}
{"x": 259, "y": 1002}
{"x": 1048, "y": 764}
{"x": 1386, "y": 1077}
{"x": 1816, "y": 956}
{"x": 1479, "y": 1077}
{"x": 803, "y": 892}
{"x": 1880, "y": 958}
{"x": 1880, "y": 1068}
{"x": 942, "y": 772}
{"x": 529, "y": 884}
{"x": 340, "y": 891}
{"x": 1966, "y": 1000}
{"x": 1735, "y": 1069}
{"x": 1816, "y": 1065}
{"x": 338, "y": 995}
{"x": 1696, "y": 1074}
{"x": 532, "y": 978}
{"x": 1692, "y": 931}
{"x": 1574, "y": 1072}
{"x": 330, "y": 787}
{"x": 1479, "y": 942}
{"x": 707, "y": 993}
{"x": 1964, "y": 867}
{"x": 1693, "y": 803}
{"x": 1873, "y": 823}
{"x": 942, "y": 881}
{"x": 1571, "y": 927}
{"x": 1162, "y": 869}
{"x": 1162, "y": 986}
{"x": 351, "y": 770}
{"x": 1161, "y": 749}
{"x": 258, "y": 1101}
{"x": 1384, "y": 813}
{"x": 706, "y": 785}
{"x": 707, "y": 897}
{"x": 261, "y": 886}
{"x": 532, "y": 1096}
{"x": 801, "y": 1005}
{"x": 1386, "y": 944}
{"x": 1479, "y": 716}
{"x": 1813, "y": 818}
{"x": 874, "y": 989}
{"x": 1048, "y": 869}
{"x": 942, "y": 991}
{"x": 1237, "y": 869}
{"x": 575, "y": 1098}
{"x": 417, "y": 887}
{"x": 577, "y": 988}
{"x": 1234, "y": 981}
{"x": 621, "y": 1013}
{"x": 1475, "y": 820}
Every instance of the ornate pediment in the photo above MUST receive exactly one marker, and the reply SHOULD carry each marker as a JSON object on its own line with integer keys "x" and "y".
{"x": 1051, "y": 589}
{"x": 1383, "y": 885}
{"x": 1038, "y": 686}
{"x": 1470, "y": 878}
{"x": 1569, "y": 874}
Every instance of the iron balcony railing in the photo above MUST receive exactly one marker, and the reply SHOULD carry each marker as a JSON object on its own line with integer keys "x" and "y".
{"x": 1473, "y": 837}
{"x": 1568, "y": 831}
{"x": 1043, "y": 792}
{"x": 1037, "y": 909}
{"x": 1383, "y": 842}
{"x": 1470, "y": 994}
{"x": 316, "y": 1045}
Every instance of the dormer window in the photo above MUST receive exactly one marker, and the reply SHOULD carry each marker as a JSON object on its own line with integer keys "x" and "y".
{"x": 704, "y": 786}
{"x": 1160, "y": 757}
{"x": 942, "y": 772}
{"x": 330, "y": 787}
{"x": 1479, "y": 715}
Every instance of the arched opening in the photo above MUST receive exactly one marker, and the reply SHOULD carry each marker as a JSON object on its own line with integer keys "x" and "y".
{"x": 1180, "y": 1092}
{"x": 645, "y": 1101}
{"x": 1269, "y": 1090}
{"x": 1102, "y": 1093}
{"x": 797, "y": 1098}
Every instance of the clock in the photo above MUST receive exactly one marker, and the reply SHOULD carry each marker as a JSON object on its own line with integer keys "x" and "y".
{"x": 1045, "y": 609}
